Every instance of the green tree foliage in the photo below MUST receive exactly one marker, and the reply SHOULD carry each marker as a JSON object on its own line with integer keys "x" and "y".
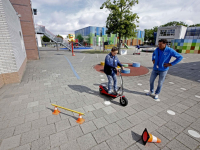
{"x": 149, "y": 34}
{"x": 80, "y": 38}
{"x": 121, "y": 20}
{"x": 89, "y": 38}
{"x": 195, "y": 25}
{"x": 45, "y": 39}
{"x": 174, "y": 23}
{"x": 59, "y": 36}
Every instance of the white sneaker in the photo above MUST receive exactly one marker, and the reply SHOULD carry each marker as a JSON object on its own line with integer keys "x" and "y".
{"x": 149, "y": 93}
{"x": 110, "y": 92}
{"x": 156, "y": 96}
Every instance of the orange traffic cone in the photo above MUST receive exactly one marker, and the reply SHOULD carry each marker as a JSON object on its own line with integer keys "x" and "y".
{"x": 73, "y": 54}
{"x": 148, "y": 137}
{"x": 56, "y": 111}
{"x": 80, "y": 120}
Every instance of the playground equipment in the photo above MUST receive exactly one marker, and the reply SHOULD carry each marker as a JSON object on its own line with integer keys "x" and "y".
{"x": 39, "y": 29}
{"x": 126, "y": 45}
{"x": 80, "y": 120}
{"x": 72, "y": 40}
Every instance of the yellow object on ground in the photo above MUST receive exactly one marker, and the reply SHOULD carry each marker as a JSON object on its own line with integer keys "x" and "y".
{"x": 102, "y": 63}
{"x": 68, "y": 109}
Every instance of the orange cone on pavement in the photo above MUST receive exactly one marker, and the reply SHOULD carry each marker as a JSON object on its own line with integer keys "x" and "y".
{"x": 80, "y": 120}
{"x": 148, "y": 137}
{"x": 56, "y": 111}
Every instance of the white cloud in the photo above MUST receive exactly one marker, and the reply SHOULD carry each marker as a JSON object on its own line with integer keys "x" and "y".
{"x": 151, "y": 13}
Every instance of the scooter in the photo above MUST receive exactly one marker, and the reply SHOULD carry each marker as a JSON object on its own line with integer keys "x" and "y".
{"x": 119, "y": 93}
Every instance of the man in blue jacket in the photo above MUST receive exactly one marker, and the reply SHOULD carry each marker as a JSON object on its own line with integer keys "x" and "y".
{"x": 110, "y": 68}
{"x": 160, "y": 59}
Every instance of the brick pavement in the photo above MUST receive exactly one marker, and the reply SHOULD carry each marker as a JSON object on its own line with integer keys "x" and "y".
{"x": 26, "y": 120}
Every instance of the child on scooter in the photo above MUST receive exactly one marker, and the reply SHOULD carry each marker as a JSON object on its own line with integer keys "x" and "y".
{"x": 110, "y": 69}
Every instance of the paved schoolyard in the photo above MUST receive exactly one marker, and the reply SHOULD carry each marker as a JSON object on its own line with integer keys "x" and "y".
{"x": 26, "y": 120}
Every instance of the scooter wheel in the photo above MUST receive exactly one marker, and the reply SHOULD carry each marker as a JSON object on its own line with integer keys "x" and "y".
{"x": 123, "y": 101}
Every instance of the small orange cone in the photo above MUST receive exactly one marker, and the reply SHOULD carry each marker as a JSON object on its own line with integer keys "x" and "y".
{"x": 148, "y": 137}
{"x": 73, "y": 54}
{"x": 80, "y": 120}
{"x": 56, "y": 111}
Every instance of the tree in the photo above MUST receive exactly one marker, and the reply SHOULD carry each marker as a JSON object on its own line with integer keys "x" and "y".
{"x": 45, "y": 39}
{"x": 195, "y": 25}
{"x": 59, "y": 36}
{"x": 174, "y": 23}
{"x": 89, "y": 38}
{"x": 80, "y": 38}
{"x": 121, "y": 20}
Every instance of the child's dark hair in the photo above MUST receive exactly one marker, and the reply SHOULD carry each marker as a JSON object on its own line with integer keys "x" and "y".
{"x": 114, "y": 49}
{"x": 163, "y": 40}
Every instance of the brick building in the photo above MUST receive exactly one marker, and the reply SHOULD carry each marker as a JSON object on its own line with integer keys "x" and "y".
{"x": 23, "y": 7}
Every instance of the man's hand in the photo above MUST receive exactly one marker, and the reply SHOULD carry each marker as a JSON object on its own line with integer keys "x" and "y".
{"x": 167, "y": 64}
{"x": 153, "y": 61}
{"x": 116, "y": 68}
{"x": 122, "y": 68}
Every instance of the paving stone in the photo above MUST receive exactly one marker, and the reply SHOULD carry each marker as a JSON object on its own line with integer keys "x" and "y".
{"x": 137, "y": 107}
{"x": 174, "y": 126}
{"x": 12, "y": 115}
{"x": 32, "y": 104}
{"x": 100, "y": 135}
{"x": 88, "y": 108}
{"x": 29, "y": 136}
{"x": 157, "y": 120}
{"x": 165, "y": 116}
{"x": 142, "y": 115}
{"x": 99, "y": 113}
{"x": 62, "y": 125}
{"x": 113, "y": 129}
{"x": 89, "y": 116}
{"x": 180, "y": 121}
{"x": 116, "y": 143}
{"x": 100, "y": 122}
{"x": 174, "y": 144}
{"x": 130, "y": 110}
{"x": 157, "y": 108}
{"x": 58, "y": 139}
{"x": 134, "y": 119}
{"x": 47, "y": 130}
{"x": 133, "y": 147}
{"x": 86, "y": 142}
{"x": 39, "y": 123}
{"x": 4, "y": 124}
{"x": 22, "y": 128}
{"x": 6, "y": 133}
{"x": 74, "y": 132}
{"x": 165, "y": 148}
{"x": 121, "y": 114}
{"x": 71, "y": 145}
{"x": 109, "y": 109}
{"x": 31, "y": 117}
{"x": 41, "y": 144}
{"x": 88, "y": 127}
{"x": 26, "y": 111}
{"x": 128, "y": 137}
{"x": 66, "y": 115}
{"x": 111, "y": 118}
{"x": 39, "y": 108}
{"x": 24, "y": 147}
{"x": 187, "y": 117}
{"x": 148, "y": 146}
{"x": 16, "y": 121}
{"x": 124, "y": 124}
{"x": 164, "y": 140}
{"x": 102, "y": 146}
{"x": 45, "y": 113}
{"x": 53, "y": 119}
{"x": 98, "y": 105}
{"x": 11, "y": 142}
{"x": 166, "y": 132}
{"x": 187, "y": 141}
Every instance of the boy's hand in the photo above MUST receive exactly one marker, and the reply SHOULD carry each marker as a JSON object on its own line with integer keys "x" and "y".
{"x": 116, "y": 68}
{"x": 167, "y": 64}
{"x": 122, "y": 68}
{"x": 153, "y": 61}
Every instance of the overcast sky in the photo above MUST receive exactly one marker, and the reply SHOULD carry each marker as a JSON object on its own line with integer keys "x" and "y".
{"x": 65, "y": 16}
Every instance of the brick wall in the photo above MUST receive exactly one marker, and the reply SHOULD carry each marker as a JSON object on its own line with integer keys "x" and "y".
{"x": 23, "y": 7}
{"x": 12, "y": 50}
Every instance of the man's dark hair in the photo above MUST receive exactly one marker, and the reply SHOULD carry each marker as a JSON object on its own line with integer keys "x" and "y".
{"x": 163, "y": 40}
{"x": 114, "y": 49}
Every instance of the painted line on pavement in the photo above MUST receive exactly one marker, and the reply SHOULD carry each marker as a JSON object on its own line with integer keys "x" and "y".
{"x": 72, "y": 68}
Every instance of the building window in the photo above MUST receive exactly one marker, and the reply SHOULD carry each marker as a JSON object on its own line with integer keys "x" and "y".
{"x": 167, "y": 32}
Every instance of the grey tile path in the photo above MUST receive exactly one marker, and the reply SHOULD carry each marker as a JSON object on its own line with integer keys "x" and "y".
{"x": 26, "y": 120}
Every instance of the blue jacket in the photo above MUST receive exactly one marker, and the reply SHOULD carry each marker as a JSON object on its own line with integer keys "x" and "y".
{"x": 111, "y": 62}
{"x": 162, "y": 57}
